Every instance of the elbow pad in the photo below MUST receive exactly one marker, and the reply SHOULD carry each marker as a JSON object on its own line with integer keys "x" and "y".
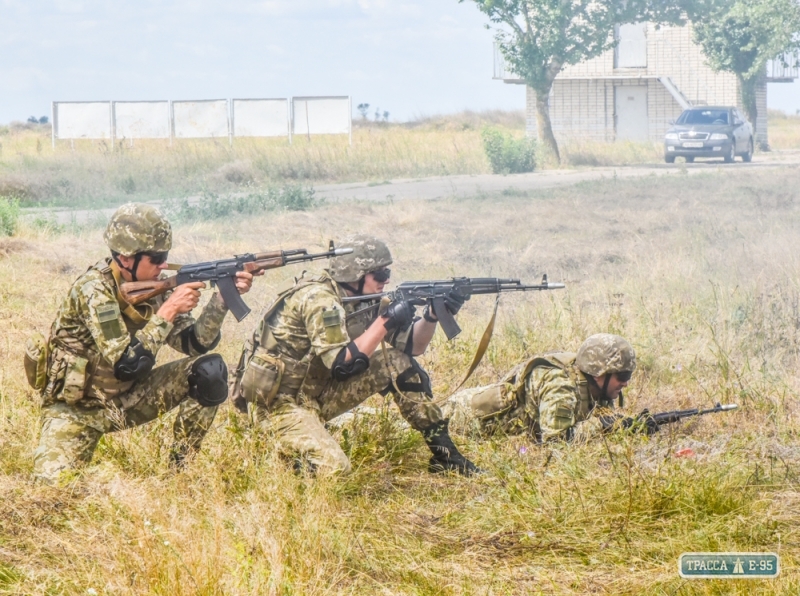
{"x": 189, "y": 341}
{"x": 134, "y": 363}
{"x": 358, "y": 363}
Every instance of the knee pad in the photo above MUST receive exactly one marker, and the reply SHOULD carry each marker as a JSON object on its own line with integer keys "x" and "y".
{"x": 208, "y": 381}
{"x": 404, "y": 380}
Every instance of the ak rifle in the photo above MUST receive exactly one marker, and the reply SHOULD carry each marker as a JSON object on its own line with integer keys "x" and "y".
{"x": 419, "y": 293}
{"x": 222, "y": 273}
{"x": 675, "y": 415}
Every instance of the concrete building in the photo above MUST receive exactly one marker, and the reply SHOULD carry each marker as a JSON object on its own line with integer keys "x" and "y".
{"x": 633, "y": 91}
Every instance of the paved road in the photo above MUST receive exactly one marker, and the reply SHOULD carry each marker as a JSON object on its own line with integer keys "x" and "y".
{"x": 466, "y": 186}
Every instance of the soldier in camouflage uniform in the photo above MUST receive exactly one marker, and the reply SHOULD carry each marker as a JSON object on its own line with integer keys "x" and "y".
{"x": 558, "y": 395}
{"x": 100, "y": 375}
{"x": 313, "y": 358}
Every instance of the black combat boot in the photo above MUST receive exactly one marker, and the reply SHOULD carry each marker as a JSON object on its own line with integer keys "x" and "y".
{"x": 446, "y": 456}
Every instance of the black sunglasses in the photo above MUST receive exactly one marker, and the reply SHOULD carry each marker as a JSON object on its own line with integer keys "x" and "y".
{"x": 624, "y": 377}
{"x": 157, "y": 258}
{"x": 382, "y": 275}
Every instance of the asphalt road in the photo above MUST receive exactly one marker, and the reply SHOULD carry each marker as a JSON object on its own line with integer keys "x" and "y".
{"x": 484, "y": 184}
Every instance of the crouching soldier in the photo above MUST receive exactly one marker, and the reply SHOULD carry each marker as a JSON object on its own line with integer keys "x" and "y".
{"x": 558, "y": 395}
{"x": 101, "y": 375}
{"x": 313, "y": 358}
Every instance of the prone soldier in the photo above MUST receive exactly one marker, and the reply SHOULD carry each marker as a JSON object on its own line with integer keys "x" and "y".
{"x": 100, "y": 372}
{"x": 313, "y": 358}
{"x": 558, "y": 395}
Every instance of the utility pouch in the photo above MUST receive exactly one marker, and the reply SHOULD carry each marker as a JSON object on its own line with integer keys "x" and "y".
{"x": 495, "y": 400}
{"x": 35, "y": 361}
{"x": 262, "y": 379}
{"x": 74, "y": 378}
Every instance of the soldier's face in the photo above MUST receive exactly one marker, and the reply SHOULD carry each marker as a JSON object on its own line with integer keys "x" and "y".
{"x": 146, "y": 271}
{"x": 615, "y": 385}
{"x": 372, "y": 285}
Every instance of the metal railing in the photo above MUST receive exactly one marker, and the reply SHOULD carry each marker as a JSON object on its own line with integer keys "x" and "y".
{"x": 784, "y": 68}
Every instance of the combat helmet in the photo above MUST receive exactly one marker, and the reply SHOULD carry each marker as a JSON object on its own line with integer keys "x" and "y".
{"x": 604, "y": 353}
{"x": 136, "y": 228}
{"x": 369, "y": 254}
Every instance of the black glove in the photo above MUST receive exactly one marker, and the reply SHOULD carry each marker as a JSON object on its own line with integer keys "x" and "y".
{"x": 446, "y": 456}
{"x": 643, "y": 423}
{"x": 399, "y": 315}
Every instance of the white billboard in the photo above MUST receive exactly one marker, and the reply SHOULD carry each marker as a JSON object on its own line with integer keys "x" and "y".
{"x": 141, "y": 119}
{"x": 201, "y": 118}
{"x": 81, "y": 120}
{"x": 260, "y": 117}
{"x": 321, "y": 115}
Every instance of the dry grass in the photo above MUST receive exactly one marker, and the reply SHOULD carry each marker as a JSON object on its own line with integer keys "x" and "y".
{"x": 784, "y": 131}
{"x": 700, "y": 273}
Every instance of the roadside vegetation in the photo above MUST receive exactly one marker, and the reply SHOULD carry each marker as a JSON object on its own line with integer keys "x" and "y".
{"x": 697, "y": 272}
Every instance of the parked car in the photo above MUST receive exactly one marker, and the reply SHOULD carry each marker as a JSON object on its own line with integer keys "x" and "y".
{"x": 709, "y": 131}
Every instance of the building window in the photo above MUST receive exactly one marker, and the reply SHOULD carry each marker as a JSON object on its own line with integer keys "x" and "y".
{"x": 631, "y": 50}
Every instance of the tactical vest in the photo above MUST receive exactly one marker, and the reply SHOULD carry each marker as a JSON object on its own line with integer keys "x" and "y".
{"x": 263, "y": 373}
{"x": 76, "y": 371}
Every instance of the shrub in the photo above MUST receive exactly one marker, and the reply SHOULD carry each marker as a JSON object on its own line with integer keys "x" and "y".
{"x": 506, "y": 154}
{"x": 9, "y": 215}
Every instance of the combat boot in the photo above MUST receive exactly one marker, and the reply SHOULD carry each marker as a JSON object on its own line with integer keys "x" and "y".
{"x": 446, "y": 456}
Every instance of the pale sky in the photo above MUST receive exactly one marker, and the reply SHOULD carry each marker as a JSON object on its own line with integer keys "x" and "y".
{"x": 408, "y": 57}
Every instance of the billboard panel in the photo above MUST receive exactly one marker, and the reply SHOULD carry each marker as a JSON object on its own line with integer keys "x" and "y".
{"x": 82, "y": 120}
{"x": 201, "y": 118}
{"x": 321, "y": 115}
{"x": 260, "y": 117}
{"x": 141, "y": 119}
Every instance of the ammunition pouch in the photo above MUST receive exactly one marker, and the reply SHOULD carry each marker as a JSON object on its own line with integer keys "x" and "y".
{"x": 35, "y": 361}
{"x": 261, "y": 378}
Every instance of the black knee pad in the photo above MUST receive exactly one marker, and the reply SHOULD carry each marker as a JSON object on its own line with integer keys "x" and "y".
{"x": 404, "y": 382}
{"x": 208, "y": 380}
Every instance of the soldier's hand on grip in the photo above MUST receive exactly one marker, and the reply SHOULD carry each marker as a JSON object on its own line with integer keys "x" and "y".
{"x": 398, "y": 315}
{"x": 183, "y": 299}
{"x": 646, "y": 423}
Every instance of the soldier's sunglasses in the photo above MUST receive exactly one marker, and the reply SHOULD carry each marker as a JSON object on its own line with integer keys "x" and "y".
{"x": 382, "y": 275}
{"x": 623, "y": 377}
{"x": 157, "y": 258}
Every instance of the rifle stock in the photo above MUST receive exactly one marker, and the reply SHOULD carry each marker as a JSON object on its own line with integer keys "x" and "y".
{"x": 136, "y": 292}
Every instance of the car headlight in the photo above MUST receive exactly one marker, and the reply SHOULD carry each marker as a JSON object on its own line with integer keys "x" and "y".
{"x": 718, "y": 136}
{"x": 671, "y": 136}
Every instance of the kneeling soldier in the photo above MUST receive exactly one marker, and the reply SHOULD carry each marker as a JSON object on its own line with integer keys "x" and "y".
{"x": 100, "y": 373}
{"x": 558, "y": 395}
{"x": 309, "y": 362}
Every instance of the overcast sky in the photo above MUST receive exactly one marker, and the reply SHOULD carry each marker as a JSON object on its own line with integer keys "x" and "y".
{"x": 408, "y": 57}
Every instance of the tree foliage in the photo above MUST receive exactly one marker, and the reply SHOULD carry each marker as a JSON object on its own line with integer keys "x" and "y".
{"x": 538, "y": 38}
{"x": 742, "y": 36}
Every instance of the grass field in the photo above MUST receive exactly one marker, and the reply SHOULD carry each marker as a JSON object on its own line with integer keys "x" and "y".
{"x": 94, "y": 174}
{"x": 699, "y": 273}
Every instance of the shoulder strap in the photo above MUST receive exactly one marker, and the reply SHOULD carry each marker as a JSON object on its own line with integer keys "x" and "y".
{"x": 139, "y": 319}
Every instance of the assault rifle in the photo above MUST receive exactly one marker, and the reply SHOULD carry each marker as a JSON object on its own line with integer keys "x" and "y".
{"x": 675, "y": 415}
{"x": 422, "y": 292}
{"x": 222, "y": 273}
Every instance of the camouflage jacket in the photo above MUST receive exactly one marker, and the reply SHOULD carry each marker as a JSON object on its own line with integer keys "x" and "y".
{"x": 550, "y": 399}
{"x": 305, "y": 328}
{"x": 93, "y": 328}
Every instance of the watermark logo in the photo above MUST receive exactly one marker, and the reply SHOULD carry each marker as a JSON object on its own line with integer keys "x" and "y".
{"x": 729, "y": 565}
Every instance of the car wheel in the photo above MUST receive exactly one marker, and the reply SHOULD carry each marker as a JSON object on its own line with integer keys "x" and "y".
{"x": 690, "y": 160}
{"x": 669, "y": 158}
{"x": 731, "y": 154}
{"x": 748, "y": 155}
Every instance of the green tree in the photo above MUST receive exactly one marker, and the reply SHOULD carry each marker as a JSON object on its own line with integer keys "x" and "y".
{"x": 538, "y": 38}
{"x": 741, "y": 38}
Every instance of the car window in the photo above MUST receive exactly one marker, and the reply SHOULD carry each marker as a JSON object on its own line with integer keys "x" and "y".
{"x": 704, "y": 117}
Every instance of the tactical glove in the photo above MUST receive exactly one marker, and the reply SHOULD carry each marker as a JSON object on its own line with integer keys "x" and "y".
{"x": 643, "y": 423}
{"x": 399, "y": 315}
{"x": 646, "y": 424}
{"x": 446, "y": 456}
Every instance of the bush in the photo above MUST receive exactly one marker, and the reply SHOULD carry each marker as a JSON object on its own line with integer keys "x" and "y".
{"x": 507, "y": 154}
{"x": 9, "y": 215}
{"x": 212, "y": 206}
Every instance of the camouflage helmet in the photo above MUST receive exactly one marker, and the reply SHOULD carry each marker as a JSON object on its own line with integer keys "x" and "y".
{"x": 604, "y": 353}
{"x": 135, "y": 228}
{"x": 369, "y": 254}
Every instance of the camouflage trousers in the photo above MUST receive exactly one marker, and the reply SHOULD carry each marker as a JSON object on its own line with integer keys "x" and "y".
{"x": 299, "y": 427}
{"x": 70, "y": 433}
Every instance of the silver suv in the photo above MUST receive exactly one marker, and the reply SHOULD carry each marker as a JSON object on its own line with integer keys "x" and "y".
{"x": 709, "y": 131}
